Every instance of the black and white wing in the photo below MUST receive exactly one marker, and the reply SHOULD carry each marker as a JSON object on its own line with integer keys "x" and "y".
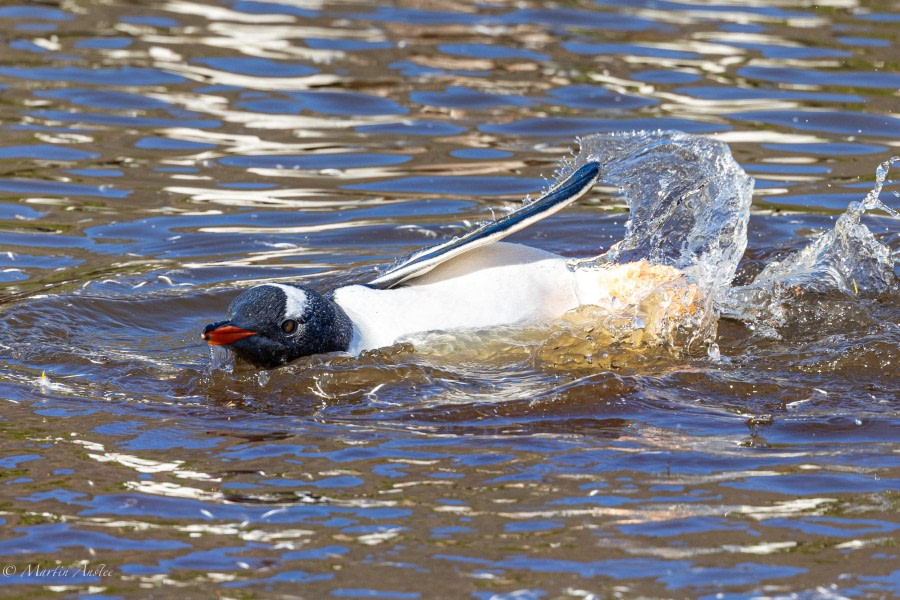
{"x": 560, "y": 196}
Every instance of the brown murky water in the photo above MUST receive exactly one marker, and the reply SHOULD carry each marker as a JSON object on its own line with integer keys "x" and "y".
{"x": 157, "y": 158}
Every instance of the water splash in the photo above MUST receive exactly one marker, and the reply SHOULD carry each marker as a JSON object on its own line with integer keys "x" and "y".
{"x": 689, "y": 201}
{"x": 220, "y": 359}
{"x": 846, "y": 262}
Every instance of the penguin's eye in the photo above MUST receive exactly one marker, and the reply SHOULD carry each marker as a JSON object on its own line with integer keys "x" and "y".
{"x": 289, "y": 326}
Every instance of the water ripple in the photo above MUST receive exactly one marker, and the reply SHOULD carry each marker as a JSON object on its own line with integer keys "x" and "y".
{"x": 159, "y": 157}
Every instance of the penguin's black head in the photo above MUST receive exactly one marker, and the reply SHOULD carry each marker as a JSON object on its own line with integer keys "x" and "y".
{"x": 270, "y": 325}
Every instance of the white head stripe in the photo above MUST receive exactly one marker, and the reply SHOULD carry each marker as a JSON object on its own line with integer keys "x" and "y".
{"x": 295, "y": 300}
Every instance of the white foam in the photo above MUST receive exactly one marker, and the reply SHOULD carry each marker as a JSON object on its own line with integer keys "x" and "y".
{"x": 295, "y": 300}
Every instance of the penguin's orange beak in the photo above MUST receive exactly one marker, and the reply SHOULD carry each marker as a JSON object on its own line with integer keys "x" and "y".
{"x": 223, "y": 334}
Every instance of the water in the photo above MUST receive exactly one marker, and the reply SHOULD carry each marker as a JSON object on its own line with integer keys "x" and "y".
{"x": 159, "y": 158}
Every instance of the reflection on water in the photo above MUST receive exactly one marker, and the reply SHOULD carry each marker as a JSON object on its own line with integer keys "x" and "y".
{"x": 158, "y": 157}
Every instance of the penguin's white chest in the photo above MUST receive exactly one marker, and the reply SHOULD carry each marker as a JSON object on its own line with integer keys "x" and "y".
{"x": 500, "y": 284}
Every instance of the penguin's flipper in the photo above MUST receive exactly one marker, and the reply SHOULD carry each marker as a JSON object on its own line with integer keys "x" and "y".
{"x": 560, "y": 196}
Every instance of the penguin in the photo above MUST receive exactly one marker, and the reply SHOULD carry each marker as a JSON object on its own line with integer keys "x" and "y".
{"x": 473, "y": 281}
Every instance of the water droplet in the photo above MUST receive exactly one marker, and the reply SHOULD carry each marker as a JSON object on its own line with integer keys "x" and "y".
{"x": 221, "y": 359}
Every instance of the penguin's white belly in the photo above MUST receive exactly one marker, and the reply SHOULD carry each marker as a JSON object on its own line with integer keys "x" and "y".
{"x": 500, "y": 284}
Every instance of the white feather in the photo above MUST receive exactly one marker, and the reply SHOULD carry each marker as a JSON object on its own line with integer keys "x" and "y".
{"x": 499, "y": 284}
{"x": 295, "y": 300}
